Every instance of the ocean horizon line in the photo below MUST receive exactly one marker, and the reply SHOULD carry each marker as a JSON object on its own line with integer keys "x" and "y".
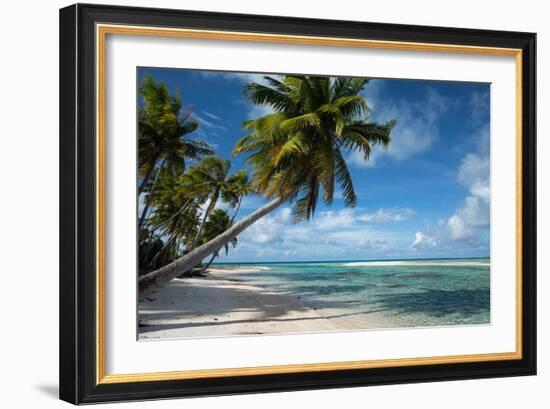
{"x": 348, "y": 261}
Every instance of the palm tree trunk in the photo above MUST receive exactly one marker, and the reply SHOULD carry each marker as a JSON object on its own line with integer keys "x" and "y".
{"x": 230, "y": 224}
{"x": 163, "y": 248}
{"x": 211, "y": 205}
{"x": 148, "y": 199}
{"x": 209, "y": 262}
{"x": 165, "y": 222}
{"x": 148, "y": 173}
{"x": 236, "y": 210}
{"x": 164, "y": 274}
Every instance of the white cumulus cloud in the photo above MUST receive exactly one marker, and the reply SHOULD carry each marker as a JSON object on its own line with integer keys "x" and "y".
{"x": 474, "y": 174}
{"x": 468, "y": 226}
{"x": 423, "y": 241}
{"x": 331, "y": 219}
{"x": 416, "y": 130}
{"x": 395, "y": 214}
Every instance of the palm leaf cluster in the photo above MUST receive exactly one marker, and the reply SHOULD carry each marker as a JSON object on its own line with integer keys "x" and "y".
{"x": 298, "y": 152}
{"x": 164, "y": 128}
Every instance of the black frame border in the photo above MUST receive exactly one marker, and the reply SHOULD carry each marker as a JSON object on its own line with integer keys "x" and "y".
{"x": 78, "y": 197}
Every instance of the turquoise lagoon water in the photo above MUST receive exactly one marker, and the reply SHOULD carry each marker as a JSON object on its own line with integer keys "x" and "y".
{"x": 406, "y": 292}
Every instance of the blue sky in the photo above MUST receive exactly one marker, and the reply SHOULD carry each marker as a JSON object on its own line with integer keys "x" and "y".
{"x": 427, "y": 196}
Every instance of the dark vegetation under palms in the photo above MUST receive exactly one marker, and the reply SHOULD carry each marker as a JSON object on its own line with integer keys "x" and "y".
{"x": 297, "y": 155}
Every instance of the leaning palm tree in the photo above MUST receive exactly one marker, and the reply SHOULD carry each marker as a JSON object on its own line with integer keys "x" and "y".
{"x": 297, "y": 152}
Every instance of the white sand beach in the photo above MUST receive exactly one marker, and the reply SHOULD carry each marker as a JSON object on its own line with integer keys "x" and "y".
{"x": 219, "y": 305}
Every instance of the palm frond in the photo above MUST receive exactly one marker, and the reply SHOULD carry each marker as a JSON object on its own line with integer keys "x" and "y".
{"x": 301, "y": 122}
{"x": 295, "y": 152}
{"x": 344, "y": 179}
{"x": 262, "y": 95}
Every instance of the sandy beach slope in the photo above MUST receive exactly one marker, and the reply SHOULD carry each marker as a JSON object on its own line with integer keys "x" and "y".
{"x": 219, "y": 305}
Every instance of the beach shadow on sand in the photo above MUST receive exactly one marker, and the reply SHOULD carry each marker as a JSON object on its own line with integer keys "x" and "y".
{"x": 205, "y": 303}
{"x": 180, "y": 300}
{"x": 159, "y": 327}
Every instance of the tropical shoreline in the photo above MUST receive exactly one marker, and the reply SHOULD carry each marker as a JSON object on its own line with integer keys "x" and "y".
{"x": 220, "y": 305}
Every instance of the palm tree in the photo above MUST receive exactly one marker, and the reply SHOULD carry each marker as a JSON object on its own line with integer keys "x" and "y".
{"x": 176, "y": 208}
{"x": 208, "y": 179}
{"x": 217, "y": 223}
{"x": 163, "y": 137}
{"x": 175, "y": 219}
{"x": 238, "y": 187}
{"x": 178, "y": 235}
{"x": 297, "y": 152}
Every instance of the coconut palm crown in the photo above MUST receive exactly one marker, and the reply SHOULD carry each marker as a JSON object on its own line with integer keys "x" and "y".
{"x": 298, "y": 151}
{"x": 164, "y": 129}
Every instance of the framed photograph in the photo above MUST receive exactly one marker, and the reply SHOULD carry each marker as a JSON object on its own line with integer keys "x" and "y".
{"x": 257, "y": 203}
